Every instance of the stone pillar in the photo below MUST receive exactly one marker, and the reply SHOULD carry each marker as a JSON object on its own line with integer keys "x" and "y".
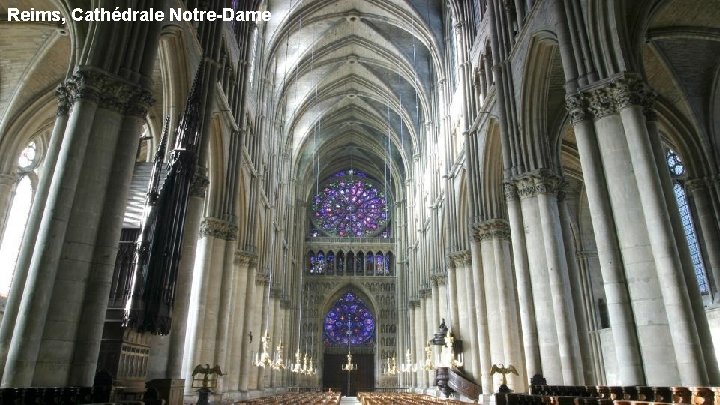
{"x": 542, "y": 298}
{"x": 495, "y": 341}
{"x": 43, "y": 341}
{"x": 98, "y": 284}
{"x": 688, "y": 353}
{"x": 452, "y": 298}
{"x": 481, "y": 316}
{"x": 238, "y": 334}
{"x": 33, "y": 223}
{"x": 568, "y": 344}
{"x": 250, "y": 326}
{"x": 522, "y": 278}
{"x": 430, "y": 327}
{"x": 653, "y": 329}
{"x": 471, "y": 346}
{"x": 8, "y": 184}
{"x": 620, "y": 313}
{"x": 183, "y": 287}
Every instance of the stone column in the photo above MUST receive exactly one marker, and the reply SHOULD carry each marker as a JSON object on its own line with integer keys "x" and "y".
{"x": 228, "y": 296}
{"x": 494, "y": 327}
{"x": 668, "y": 265}
{"x": 183, "y": 287}
{"x": 481, "y": 316}
{"x": 546, "y": 187}
{"x": 250, "y": 326}
{"x": 522, "y": 278}
{"x": 471, "y": 346}
{"x": 495, "y": 235}
{"x": 68, "y": 226}
{"x": 620, "y": 313}
{"x": 430, "y": 326}
{"x": 452, "y": 297}
{"x": 648, "y": 308}
{"x": 8, "y": 184}
{"x": 238, "y": 334}
{"x": 33, "y": 223}
{"x": 542, "y": 298}
{"x": 100, "y": 272}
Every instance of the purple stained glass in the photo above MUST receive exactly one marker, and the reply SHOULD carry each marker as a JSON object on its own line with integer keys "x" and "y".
{"x": 349, "y": 321}
{"x": 350, "y": 205}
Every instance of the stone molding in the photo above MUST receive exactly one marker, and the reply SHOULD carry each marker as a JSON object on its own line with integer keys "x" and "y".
{"x": 492, "y": 229}
{"x": 218, "y": 229}
{"x": 198, "y": 184}
{"x": 62, "y": 93}
{"x": 108, "y": 91}
{"x": 243, "y": 258}
{"x": 511, "y": 191}
{"x": 610, "y": 97}
{"x": 461, "y": 258}
{"x": 531, "y": 184}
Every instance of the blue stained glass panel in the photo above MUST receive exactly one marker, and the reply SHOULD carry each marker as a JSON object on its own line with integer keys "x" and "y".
{"x": 349, "y": 321}
{"x": 349, "y": 205}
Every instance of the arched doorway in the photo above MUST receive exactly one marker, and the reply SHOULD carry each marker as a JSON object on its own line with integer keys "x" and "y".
{"x": 349, "y": 326}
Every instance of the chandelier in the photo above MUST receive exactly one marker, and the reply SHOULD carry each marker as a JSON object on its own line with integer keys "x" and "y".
{"x": 429, "y": 364}
{"x": 408, "y": 366}
{"x": 263, "y": 359}
{"x": 349, "y": 366}
{"x": 390, "y": 367}
{"x": 447, "y": 356}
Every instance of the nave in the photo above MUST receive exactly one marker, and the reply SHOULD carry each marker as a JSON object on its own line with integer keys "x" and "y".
{"x": 238, "y": 210}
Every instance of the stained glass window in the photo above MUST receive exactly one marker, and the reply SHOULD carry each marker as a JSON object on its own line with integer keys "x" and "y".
{"x": 349, "y": 204}
{"x": 677, "y": 170}
{"x": 349, "y": 321}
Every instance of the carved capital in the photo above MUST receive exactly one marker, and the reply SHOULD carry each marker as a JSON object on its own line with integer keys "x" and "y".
{"x": 244, "y": 258}
{"x": 546, "y": 182}
{"x": 199, "y": 184}
{"x": 108, "y": 91}
{"x": 577, "y": 107}
{"x": 219, "y": 229}
{"x": 62, "y": 93}
{"x": 525, "y": 187}
{"x": 492, "y": 229}
{"x": 601, "y": 102}
{"x": 629, "y": 91}
{"x": 511, "y": 191}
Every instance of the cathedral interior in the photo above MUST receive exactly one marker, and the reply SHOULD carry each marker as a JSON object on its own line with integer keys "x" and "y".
{"x": 357, "y": 194}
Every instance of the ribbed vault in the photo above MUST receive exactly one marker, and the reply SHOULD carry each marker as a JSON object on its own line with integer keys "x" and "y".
{"x": 353, "y": 82}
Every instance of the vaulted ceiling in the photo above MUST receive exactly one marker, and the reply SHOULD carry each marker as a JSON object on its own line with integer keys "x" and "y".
{"x": 353, "y": 80}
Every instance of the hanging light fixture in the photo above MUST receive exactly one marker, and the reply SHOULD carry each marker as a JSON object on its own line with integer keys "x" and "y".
{"x": 429, "y": 364}
{"x": 263, "y": 359}
{"x": 447, "y": 356}
{"x": 390, "y": 367}
{"x": 408, "y": 366}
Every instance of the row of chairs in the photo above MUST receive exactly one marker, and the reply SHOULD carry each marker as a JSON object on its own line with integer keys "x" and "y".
{"x": 400, "y": 398}
{"x": 685, "y": 395}
{"x": 53, "y": 395}
{"x": 297, "y": 398}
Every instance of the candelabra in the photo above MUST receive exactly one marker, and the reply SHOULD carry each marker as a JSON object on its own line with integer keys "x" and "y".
{"x": 429, "y": 364}
{"x": 391, "y": 366}
{"x": 349, "y": 366}
{"x": 408, "y": 366}
{"x": 447, "y": 356}
{"x": 263, "y": 359}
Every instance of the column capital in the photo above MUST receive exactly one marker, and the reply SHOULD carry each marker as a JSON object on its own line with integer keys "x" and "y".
{"x": 461, "y": 258}
{"x": 577, "y": 106}
{"x": 62, "y": 93}
{"x": 218, "y": 229}
{"x": 601, "y": 102}
{"x": 199, "y": 183}
{"x": 510, "y": 190}
{"x": 245, "y": 258}
{"x": 108, "y": 91}
{"x": 491, "y": 229}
